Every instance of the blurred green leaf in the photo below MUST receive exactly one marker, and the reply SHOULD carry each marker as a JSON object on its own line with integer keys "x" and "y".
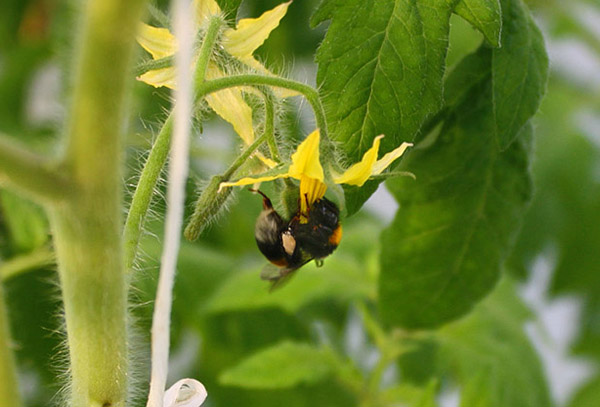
{"x": 339, "y": 279}
{"x": 519, "y": 70}
{"x": 380, "y": 71}
{"x": 25, "y": 221}
{"x": 485, "y": 15}
{"x": 588, "y": 395}
{"x": 284, "y": 365}
{"x": 490, "y": 357}
{"x": 562, "y": 221}
{"x": 412, "y": 396}
{"x": 229, "y": 7}
{"x": 445, "y": 248}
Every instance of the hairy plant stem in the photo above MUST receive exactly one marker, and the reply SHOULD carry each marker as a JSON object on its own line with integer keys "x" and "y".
{"x": 31, "y": 174}
{"x": 87, "y": 225}
{"x": 270, "y": 123}
{"x": 311, "y": 94}
{"x": 212, "y": 198}
{"x": 159, "y": 153}
{"x": 9, "y": 386}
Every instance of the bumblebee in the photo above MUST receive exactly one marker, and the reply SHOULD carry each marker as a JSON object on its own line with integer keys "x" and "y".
{"x": 289, "y": 245}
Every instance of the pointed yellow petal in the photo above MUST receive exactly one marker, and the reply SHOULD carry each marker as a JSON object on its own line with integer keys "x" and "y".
{"x": 311, "y": 190}
{"x": 360, "y": 172}
{"x": 250, "y": 181}
{"x": 159, "y": 77}
{"x": 389, "y": 158}
{"x": 250, "y": 33}
{"x": 203, "y": 9}
{"x": 230, "y": 105}
{"x": 159, "y": 42}
{"x": 265, "y": 160}
{"x": 305, "y": 161}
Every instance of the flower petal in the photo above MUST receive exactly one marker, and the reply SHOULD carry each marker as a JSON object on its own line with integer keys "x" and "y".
{"x": 230, "y": 105}
{"x": 250, "y": 33}
{"x": 159, "y": 42}
{"x": 305, "y": 161}
{"x": 203, "y": 9}
{"x": 251, "y": 181}
{"x": 265, "y": 160}
{"x": 185, "y": 393}
{"x": 311, "y": 190}
{"x": 389, "y": 158}
{"x": 159, "y": 77}
{"x": 360, "y": 172}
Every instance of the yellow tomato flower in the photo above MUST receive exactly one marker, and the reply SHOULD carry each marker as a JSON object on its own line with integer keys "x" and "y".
{"x": 307, "y": 168}
{"x": 240, "y": 43}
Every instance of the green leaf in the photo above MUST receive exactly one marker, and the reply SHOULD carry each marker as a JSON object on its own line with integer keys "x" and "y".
{"x": 412, "y": 396}
{"x": 339, "y": 279}
{"x": 471, "y": 71}
{"x": 588, "y": 395}
{"x": 490, "y": 357}
{"x": 25, "y": 221}
{"x": 380, "y": 71}
{"x": 285, "y": 365}
{"x": 445, "y": 248}
{"x": 229, "y": 7}
{"x": 484, "y": 15}
{"x": 520, "y": 71}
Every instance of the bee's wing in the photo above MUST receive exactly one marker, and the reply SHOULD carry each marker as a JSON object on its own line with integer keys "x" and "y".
{"x": 271, "y": 272}
{"x": 279, "y": 276}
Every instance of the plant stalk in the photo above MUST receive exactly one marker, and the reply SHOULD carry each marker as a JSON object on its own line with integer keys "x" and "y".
{"x": 31, "y": 174}
{"x": 87, "y": 226}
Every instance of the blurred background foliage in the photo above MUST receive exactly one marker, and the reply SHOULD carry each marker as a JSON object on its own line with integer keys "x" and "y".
{"x": 222, "y": 314}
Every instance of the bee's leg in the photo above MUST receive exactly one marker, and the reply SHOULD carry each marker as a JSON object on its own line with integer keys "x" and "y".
{"x": 266, "y": 201}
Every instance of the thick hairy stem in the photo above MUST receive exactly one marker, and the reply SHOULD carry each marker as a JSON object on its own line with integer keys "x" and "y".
{"x": 87, "y": 226}
{"x": 31, "y": 174}
{"x": 9, "y": 388}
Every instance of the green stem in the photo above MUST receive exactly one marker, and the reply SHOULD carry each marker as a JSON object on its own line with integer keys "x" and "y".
{"x": 9, "y": 386}
{"x": 153, "y": 64}
{"x": 270, "y": 123}
{"x": 158, "y": 156}
{"x": 143, "y": 192}
{"x": 212, "y": 199}
{"x": 87, "y": 227}
{"x": 311, "y": 95}
{"x": 31, "y": 174}
{"x": 38, "y": 258}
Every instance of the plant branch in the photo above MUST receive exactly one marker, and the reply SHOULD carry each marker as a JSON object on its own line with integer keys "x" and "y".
{"x": 9, "y": 386}
{"x": 211, "y": 199}
{"x": 311, "y": 95}
{"x": 40, "y": 257}
{"x": 158, "y": 157}
{"x": 31, "y": 174}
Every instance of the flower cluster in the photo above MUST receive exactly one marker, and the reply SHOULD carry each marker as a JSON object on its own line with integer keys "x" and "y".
{"x": 306, "y": 167}
{"x": 241, "y": 42}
